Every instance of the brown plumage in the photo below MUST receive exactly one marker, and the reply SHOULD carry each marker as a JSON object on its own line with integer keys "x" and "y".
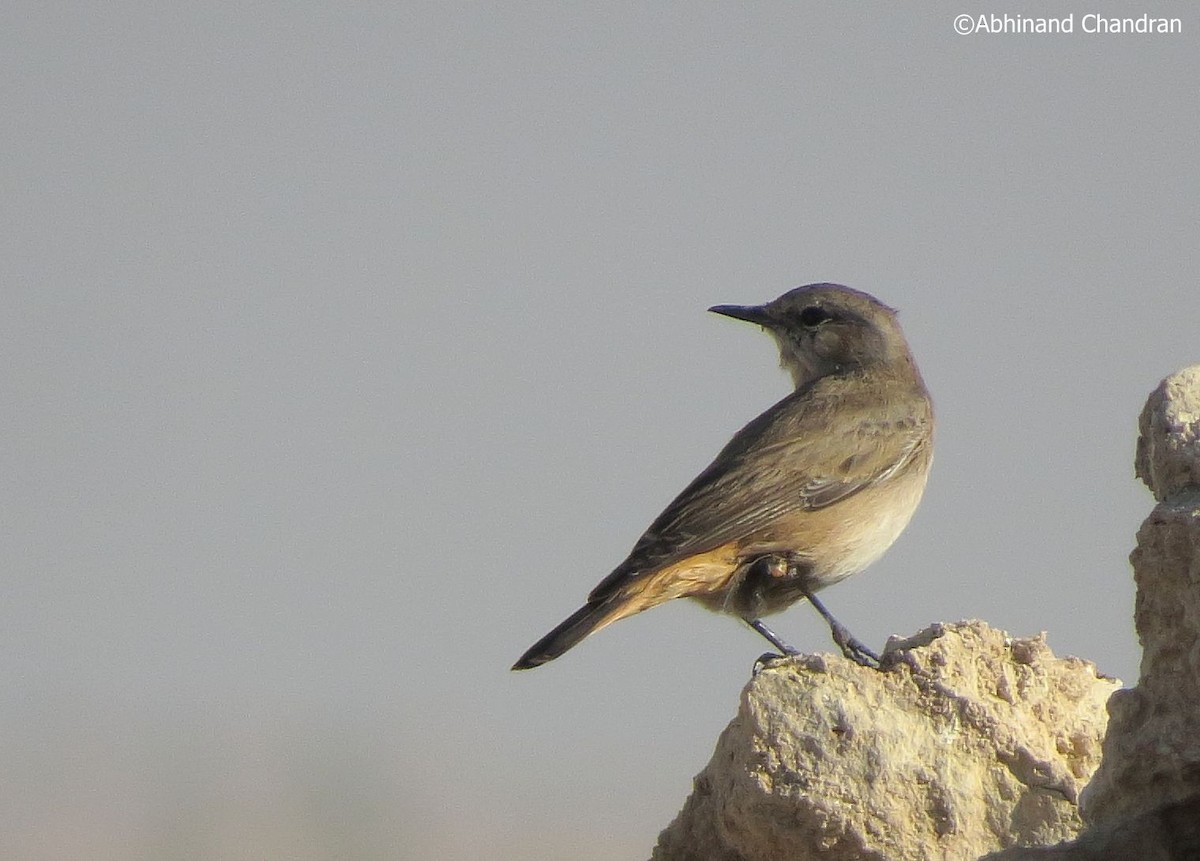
{"x": 811, "y": 491}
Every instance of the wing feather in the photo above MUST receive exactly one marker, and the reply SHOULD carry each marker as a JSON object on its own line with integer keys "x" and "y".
{"x": 783, "y": 461}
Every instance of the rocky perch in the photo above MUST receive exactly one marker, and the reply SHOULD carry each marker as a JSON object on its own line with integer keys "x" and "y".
{"x": 970, "y": 742}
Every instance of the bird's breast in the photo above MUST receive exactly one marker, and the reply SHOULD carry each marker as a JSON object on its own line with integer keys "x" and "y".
{"x": 842, "y": 539}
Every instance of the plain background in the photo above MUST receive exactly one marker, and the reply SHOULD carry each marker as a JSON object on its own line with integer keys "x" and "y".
{"x": 346, "y": 346}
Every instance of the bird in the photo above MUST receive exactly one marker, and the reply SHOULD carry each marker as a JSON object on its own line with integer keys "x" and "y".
{"x": 813, "y": 490}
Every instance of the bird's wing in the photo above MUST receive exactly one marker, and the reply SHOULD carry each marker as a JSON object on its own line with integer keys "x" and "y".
{"x": 817, "y": 446}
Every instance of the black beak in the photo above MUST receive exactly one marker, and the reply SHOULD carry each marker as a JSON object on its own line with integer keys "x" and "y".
{"x": 750, "y": 313}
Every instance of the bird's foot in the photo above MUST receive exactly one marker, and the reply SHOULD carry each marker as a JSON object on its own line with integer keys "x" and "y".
{"x": 767, "y": 660}
{"x": 854, "y": 649}
{"x": 850, "y": 645}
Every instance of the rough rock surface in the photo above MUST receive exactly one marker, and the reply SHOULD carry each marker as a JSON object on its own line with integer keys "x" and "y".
{"x": 1144, "y": 801}
{"x": 968, "y": 742}
{"x": 1168, "y": 446}
{"x": 1152, "y": 752}
{"x": 1168, "y": 833}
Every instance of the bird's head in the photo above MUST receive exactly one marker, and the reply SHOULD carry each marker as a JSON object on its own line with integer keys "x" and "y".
{"x": 825, "y": 329}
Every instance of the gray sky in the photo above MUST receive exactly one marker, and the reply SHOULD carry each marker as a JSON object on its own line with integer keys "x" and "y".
{"x": 347, "y": 348}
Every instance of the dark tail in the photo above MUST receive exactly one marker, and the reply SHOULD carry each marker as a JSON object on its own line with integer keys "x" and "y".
{"x": 588, "y": 618}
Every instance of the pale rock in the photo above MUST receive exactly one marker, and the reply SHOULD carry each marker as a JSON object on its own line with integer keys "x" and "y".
{"x": 1152, "y": 752}
{"x": 1143, "y": 804}
{"x": 967, "y": 742}
{"x": 1167, "y": 833}
{"x": 1168, "y": 446}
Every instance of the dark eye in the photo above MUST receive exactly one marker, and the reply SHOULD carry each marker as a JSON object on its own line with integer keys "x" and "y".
{"x": 813, "y": 316}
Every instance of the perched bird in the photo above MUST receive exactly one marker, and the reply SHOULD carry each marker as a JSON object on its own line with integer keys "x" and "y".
{"x": 811, "y": 491}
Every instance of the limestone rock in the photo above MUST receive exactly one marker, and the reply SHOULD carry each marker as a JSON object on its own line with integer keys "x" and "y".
{"x": 1152, "y": 752}
{"x": 968, "y": 742}
{"x": 1168, "y": 446}
{"x": 1144, "y": 801}
{"x": 1168, "y": 833}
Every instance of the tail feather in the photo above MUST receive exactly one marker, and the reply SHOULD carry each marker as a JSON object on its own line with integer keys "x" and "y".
{"x": 588, "y": 618}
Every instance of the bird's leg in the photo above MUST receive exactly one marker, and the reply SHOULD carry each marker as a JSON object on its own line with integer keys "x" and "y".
{"x": 772, "y": 638}
{"x": 762, "y": 570}
{"x": 766, "y": 659}
{"x": 850, "y": 645}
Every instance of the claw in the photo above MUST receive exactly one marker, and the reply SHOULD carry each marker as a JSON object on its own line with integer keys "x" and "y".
{"x": 850, "y": 645}
{"x": 765, "y": 661}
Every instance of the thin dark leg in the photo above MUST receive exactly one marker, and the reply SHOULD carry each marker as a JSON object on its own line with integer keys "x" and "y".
{"x": 772, "y": 637}
{"x": 851, "y": 647}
